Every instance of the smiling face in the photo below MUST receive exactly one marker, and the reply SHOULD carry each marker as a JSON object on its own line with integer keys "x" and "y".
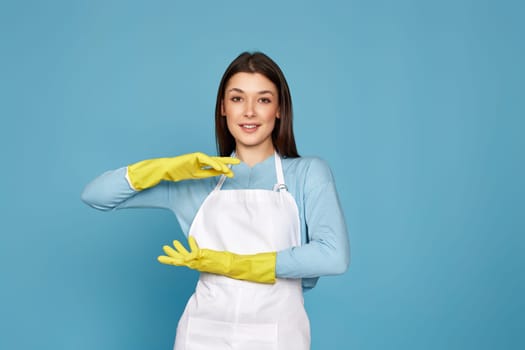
{"x": 250, "y": 106}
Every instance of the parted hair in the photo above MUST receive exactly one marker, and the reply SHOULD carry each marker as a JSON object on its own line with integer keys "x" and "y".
{"x": 282, "y": 136}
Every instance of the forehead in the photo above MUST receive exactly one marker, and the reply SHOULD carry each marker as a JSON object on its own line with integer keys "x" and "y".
{"x": 250, "y": 82}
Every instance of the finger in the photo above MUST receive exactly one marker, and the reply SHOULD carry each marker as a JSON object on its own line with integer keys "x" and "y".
{"x": 202, "y": 173}
{"x": 168, "y": 261}
{"x": 180, "y": 248}
{"x": 207, "y": 161}
{"x": 171, "y": 252}
{"x": 228, "y": 160}
{"x": 194, "y": 247}
{"x": 222, "y": 167}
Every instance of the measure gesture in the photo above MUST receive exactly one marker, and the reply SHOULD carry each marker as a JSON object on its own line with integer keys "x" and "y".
{"x": 148, "y": 173}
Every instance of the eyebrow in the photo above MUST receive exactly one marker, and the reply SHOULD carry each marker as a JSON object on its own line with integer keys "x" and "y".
{"x": 242, "y": 92}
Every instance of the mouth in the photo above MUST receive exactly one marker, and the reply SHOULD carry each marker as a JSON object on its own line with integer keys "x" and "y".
{"x": 249, "y": 127}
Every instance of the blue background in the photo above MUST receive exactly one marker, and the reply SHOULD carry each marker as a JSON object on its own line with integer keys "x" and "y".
{"x": 416, "y": 105}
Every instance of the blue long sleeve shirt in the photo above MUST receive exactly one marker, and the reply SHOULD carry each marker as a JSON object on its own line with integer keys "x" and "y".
{"x": 325, "y": 246}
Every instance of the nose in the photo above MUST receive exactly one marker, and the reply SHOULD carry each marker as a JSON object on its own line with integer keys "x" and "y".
{"x": 249, "y": 110}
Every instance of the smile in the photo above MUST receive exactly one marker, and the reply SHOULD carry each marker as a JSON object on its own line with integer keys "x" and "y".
{"x": 249, "y": 127}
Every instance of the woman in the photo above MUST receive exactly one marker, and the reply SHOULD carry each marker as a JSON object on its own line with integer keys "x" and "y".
{"x": 262, "y": 222}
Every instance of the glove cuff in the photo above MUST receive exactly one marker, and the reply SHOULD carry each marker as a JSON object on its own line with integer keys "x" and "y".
{"x": 256, "y": 268}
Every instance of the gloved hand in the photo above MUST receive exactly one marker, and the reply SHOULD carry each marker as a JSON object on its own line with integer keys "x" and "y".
{"x": 256, "y": 267}
{"x": 148, "y": 173}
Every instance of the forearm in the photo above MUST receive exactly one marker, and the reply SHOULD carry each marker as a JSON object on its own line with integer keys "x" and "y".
{"x": 111, "y": 190}
{"x": 315, "y": 259}
{"x": 327, "y": 250}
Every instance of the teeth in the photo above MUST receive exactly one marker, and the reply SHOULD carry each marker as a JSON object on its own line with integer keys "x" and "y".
{"x": 249, "y": 126}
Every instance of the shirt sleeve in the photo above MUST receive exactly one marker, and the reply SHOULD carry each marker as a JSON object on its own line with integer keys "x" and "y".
{"x": 111, "y": 190}
{"x": 327, "y": 250}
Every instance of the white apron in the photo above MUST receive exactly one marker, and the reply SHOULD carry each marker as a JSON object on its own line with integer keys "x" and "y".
{"x": 225, "y": 313}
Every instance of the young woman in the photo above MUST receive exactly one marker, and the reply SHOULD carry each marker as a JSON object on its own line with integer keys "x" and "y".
{"x": 262, "y": 222}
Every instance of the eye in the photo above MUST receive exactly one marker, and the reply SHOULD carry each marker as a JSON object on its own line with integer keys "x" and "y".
{"x": 235, "y": 99}
{"x": 265, "y": 100}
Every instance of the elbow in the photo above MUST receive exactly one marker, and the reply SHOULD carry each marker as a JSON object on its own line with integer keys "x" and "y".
{"x": 340, "y": 264}
{"x": 107, "y": 191}
{"x": 334, "y": 262}
{"x": 340, "y": 259}
{"x": 335, "y": 258}
{"x": 91, "y": 199}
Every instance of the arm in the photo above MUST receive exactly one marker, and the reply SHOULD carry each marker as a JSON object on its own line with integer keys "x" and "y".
{"x": 140, "y": 184}
{"x": 328, "y": 249}
{"x": 111, "y": 190}
{"x": 255, "y": 267}
{"x": 327, "y": 253}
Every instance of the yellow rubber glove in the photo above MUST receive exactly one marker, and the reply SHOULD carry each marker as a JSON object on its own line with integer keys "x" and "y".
{"x": 256, "y": 267}
{"x": 148, "y": 173}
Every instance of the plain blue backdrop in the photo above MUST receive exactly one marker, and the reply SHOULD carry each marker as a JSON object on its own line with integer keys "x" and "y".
{"x": 416, "y": 105}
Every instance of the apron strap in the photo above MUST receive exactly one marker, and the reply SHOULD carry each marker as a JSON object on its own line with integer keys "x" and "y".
{"x": 223, "y": 177}
{"x": 279, "y": 186}
{"x": 219, "y": 184}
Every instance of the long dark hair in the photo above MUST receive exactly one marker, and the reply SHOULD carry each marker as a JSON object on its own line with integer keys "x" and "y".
{"x": 282, "y": 135}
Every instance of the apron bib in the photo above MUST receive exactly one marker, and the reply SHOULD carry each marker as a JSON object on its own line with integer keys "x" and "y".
{"x": 225, "y": 313}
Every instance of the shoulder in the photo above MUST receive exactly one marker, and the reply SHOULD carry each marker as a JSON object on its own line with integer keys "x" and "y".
{"x": 314, "y": 170}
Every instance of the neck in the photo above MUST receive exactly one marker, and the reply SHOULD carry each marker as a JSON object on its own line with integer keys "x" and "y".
{"x": 253, "y": 156}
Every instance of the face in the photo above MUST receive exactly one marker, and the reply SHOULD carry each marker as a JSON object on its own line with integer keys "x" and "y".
{"x": 250, "y": 106}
